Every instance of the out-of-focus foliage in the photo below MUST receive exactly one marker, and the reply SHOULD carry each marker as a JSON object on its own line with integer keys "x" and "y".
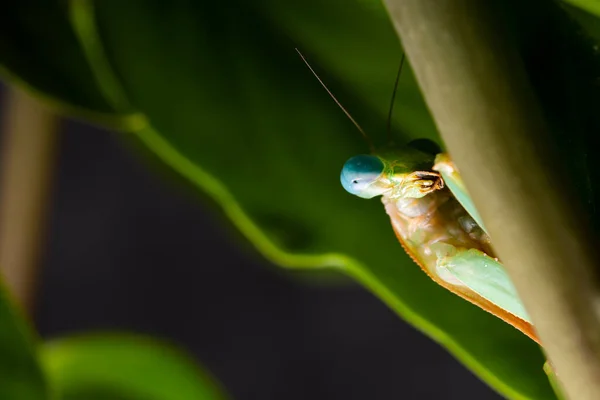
{"x": 20, "y": 374}
{"x": 553, "y": 381}
{"x": 219, "y": 94}
{"x": 591, "y": 6}
{"x": 124, "y": 367}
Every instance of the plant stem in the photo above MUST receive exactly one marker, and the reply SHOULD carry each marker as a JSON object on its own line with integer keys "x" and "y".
{"x": 28, "y": 154}
{"x": 484, "y": 107}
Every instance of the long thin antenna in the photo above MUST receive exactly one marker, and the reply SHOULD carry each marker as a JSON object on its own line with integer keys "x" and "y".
{"x": 389, "y": 119}
{"x": 362, "y": 132}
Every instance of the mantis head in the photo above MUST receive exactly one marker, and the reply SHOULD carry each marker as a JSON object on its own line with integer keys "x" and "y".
{"x": 404, "y": 172}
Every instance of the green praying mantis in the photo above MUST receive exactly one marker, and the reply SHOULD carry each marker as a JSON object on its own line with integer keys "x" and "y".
{"x": 435, "y": 220}
{"x": 436, "y": 223}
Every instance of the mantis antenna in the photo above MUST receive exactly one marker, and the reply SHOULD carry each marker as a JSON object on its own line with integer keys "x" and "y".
{"x": 362, "y": 132}
{"x": 389, "y": 119}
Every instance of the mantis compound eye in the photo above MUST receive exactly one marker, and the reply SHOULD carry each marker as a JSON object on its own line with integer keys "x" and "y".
{"x": 359, "y": 173}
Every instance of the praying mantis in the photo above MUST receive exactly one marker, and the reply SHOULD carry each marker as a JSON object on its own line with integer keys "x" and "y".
{"x": 437, "y": 225}
{"x": 435, "y": 220}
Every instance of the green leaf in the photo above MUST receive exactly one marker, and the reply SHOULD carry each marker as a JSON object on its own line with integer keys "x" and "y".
{"x": 39, "y": 50}
{"x": 227, "y": 103}
{"x": 124, "y": 367}
{"x": 20, "y": 374}
{"x": 554, "y": 381}
{"x": 231, "y": 107}
{"x": 39, "y": 46}
{"x": 591, "y": 6}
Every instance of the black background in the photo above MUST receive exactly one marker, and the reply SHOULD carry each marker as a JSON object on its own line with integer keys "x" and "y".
{"x": 129, "y": 249}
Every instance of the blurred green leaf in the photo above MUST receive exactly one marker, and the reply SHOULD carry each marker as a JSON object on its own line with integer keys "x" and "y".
{"x": 39, "y": 46}
{"x": 203, "y": 74}
{"x": 591, "y": 6}
{"x": 39, "y": 50}
{"x": 124, "y": 367}
{"x": 229, "y": 105}
{"x": 554, "y": 382}
{"x": 20, "y": 374}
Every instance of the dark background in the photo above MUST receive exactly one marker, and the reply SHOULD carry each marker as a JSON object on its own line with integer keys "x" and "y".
{"x": 130, "y": 249}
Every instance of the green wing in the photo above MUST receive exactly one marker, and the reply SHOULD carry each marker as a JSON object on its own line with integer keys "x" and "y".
{"x": 487, "y": 277}
{"x": 474, "y": 269}
{"x": 454, "y": 182}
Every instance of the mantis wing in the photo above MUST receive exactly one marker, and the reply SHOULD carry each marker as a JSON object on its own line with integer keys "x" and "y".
{"x": 485, "y": 276}
{"x": 473, "y": 268}
{"x": 454, "y": 182}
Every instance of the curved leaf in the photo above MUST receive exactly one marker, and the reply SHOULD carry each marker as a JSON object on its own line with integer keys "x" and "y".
{"x": 20, "y": 374}
{"x": 591, "y": 6}
{"x": 228, "y": 104}
{"x": 124, "y": 367}
{"x": 278, "y": 180}
{"x": 39, "y": 50}
{"x": 38, "y": 45}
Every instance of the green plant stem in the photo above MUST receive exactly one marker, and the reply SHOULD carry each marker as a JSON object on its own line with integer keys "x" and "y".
{"x": 28, "y": 154}
{"x": 482, "y": 102}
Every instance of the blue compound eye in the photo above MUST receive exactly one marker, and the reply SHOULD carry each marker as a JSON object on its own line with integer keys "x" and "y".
{"x": 359, "y": 173}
